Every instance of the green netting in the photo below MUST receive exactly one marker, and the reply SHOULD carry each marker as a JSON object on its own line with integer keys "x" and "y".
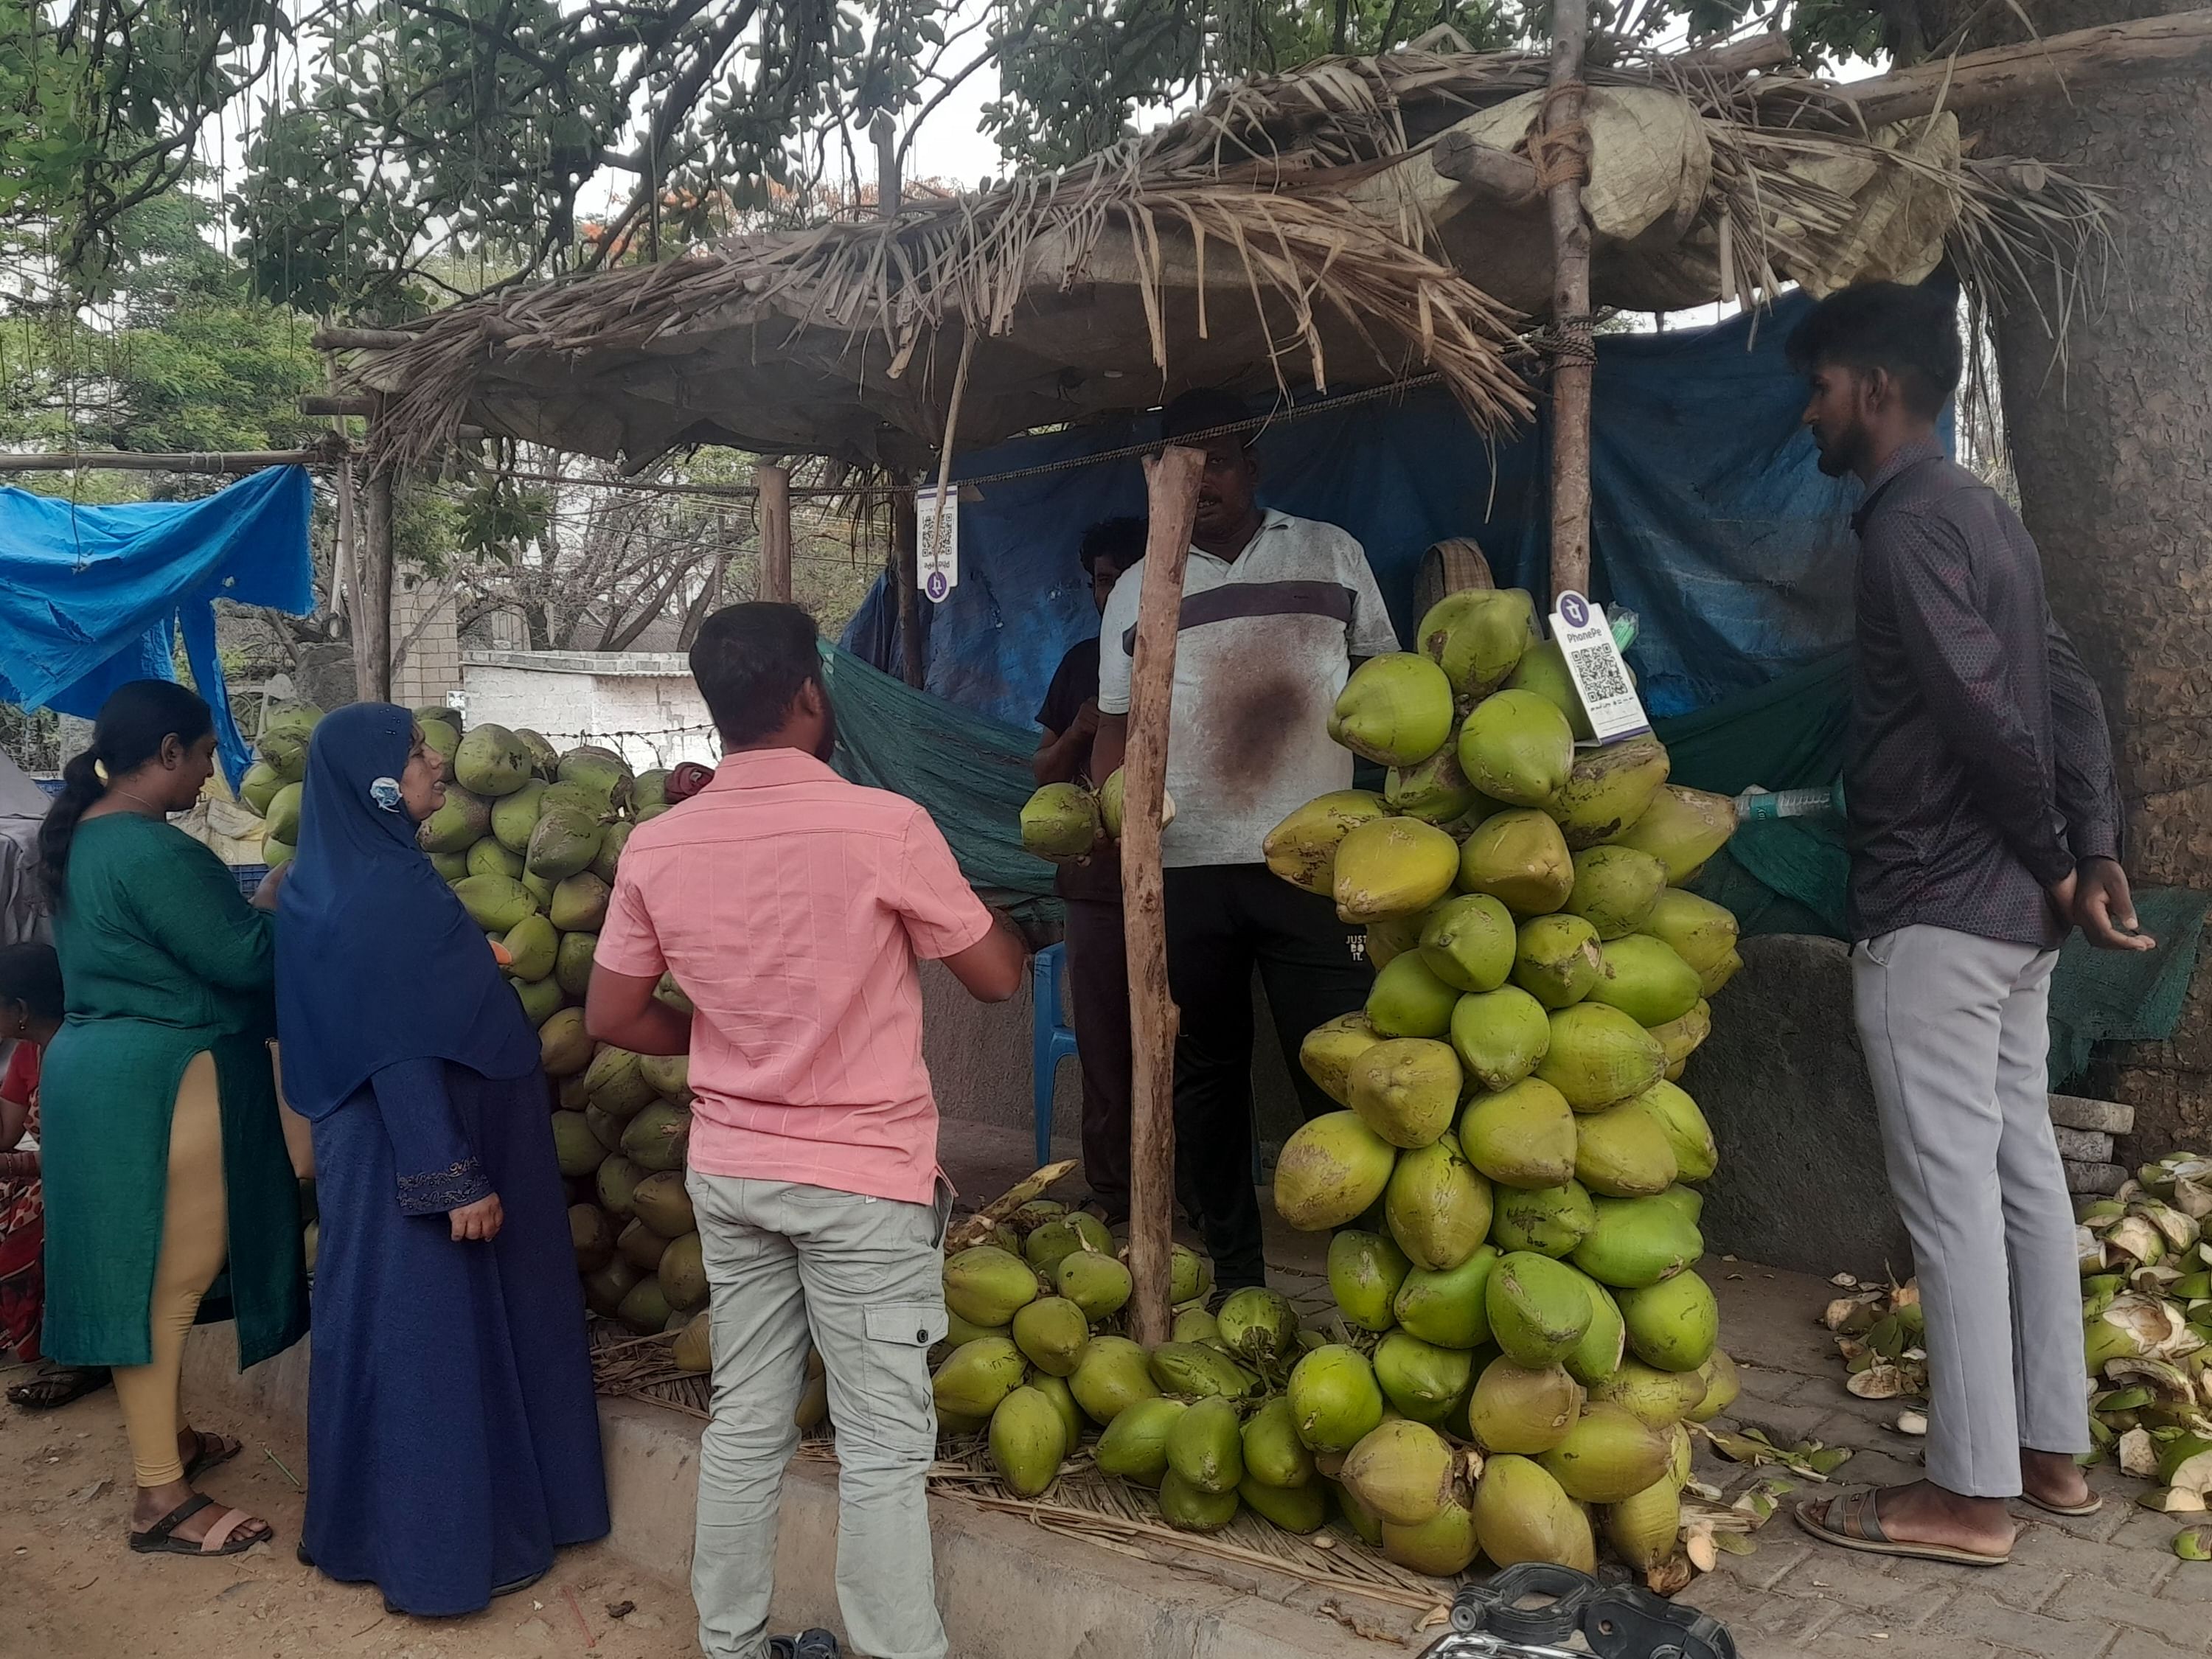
{"x": 2125, "y": 996}
{"x": 971, "y": 773}
{"x": 1788, "y": 734}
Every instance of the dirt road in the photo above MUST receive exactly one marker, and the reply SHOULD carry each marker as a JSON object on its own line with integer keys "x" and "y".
{"x": 70, "y": 1589}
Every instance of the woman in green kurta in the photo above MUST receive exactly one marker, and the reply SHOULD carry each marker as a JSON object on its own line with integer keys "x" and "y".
{"x": 162, "y": 1144}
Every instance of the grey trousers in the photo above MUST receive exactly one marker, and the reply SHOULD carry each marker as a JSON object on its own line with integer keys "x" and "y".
{"x": 1955, "y": 1032}
{"x": 863, "y": 1279}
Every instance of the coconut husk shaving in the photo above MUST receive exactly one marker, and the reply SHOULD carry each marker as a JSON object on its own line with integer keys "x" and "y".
{"x": 1879, "y": 1329}
{"x": 2146, "y": 1265}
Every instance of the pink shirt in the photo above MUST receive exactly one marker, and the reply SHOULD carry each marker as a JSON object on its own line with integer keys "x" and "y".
{"x": 791, "y": 905}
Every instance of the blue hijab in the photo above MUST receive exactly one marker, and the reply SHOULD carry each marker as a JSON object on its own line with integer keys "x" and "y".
{"x": 377, "y": 962}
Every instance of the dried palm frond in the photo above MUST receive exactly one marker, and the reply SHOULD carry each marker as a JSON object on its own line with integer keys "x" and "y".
{"x": 1272, "y": 241}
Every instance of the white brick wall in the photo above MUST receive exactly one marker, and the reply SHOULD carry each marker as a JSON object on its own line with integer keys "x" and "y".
{"x": 642, "y": 704}
{"x": 431, "y": 666}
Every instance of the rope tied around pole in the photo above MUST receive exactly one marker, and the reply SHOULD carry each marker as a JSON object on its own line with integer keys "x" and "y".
{"x": 1561, "y": 154}
{"x": 1568, "y": 339}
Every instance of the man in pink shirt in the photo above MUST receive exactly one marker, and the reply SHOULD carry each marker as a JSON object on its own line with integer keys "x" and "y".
{"x": 791, "y": 905}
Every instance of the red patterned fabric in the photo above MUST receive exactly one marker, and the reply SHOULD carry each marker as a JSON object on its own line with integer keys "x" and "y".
{"x": 22, "y": 1222}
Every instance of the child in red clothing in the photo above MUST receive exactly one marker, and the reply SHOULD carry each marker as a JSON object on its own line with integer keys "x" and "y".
{"x": 30, "y": 1014}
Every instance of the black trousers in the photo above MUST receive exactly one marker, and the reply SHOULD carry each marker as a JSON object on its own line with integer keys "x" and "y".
{"x": 1223, "y": 921}
{"x": 1098, "y": 1005}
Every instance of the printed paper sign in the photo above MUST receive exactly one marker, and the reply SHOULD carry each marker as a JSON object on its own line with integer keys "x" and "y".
{"x": 1600, "y": 675}
{"x": 936, "y": 535}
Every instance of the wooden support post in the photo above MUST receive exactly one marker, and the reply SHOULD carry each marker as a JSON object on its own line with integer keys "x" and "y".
{"x": 773, "y": 508}
{"x": 1574, "y": 362}
{"x": 371, "y": 634}
{"x": 883, "y": 132}
{"x": 906, "y": 578}
{"x": 1171, "y": 482}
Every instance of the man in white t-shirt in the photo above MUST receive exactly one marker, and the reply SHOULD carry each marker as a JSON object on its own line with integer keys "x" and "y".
{"x": 1276, "y": 612}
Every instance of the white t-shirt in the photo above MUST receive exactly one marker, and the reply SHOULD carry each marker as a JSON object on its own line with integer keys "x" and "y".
{"x": 1265, "y": 645}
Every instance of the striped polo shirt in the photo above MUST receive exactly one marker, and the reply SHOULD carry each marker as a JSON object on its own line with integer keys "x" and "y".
{"x": 1267, "y": 641}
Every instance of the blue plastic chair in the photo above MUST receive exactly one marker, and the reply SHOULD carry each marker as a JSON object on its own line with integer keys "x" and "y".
{"x": 1050, "y": 1041}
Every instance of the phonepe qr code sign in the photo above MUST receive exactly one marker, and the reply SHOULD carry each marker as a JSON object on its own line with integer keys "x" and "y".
{"x": 1601, "y": 676}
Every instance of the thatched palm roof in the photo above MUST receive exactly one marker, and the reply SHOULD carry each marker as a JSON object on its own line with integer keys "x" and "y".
{"x": 1354, "y": 222}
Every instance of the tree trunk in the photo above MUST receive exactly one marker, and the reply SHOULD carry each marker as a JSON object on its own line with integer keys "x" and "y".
{"x": 2113, "y": 449}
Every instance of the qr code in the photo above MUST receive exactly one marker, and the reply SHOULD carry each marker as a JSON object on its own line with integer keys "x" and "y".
{"x": 1599, "y": 671}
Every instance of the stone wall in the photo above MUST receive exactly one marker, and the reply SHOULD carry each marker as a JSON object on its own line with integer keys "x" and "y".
{"x": 1801, "y": 1182}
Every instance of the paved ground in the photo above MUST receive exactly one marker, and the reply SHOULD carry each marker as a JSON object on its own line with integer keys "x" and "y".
{"x": 2107, "y": 1586}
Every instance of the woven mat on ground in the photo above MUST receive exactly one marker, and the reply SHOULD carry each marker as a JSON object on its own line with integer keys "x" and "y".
{"x": 1081, "y": 1503}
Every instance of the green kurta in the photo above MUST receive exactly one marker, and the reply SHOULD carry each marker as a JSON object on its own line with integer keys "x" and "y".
{"x": 162, "y": 959}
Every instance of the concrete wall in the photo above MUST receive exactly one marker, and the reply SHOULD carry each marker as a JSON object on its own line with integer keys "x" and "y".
{"x": 642, "y": 704}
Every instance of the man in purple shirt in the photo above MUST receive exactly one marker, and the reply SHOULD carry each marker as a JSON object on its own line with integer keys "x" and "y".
{"x": 1984, "y": 826}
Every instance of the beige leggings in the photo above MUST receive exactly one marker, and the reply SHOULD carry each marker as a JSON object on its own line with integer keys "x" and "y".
{"x": 195, "y": 1239}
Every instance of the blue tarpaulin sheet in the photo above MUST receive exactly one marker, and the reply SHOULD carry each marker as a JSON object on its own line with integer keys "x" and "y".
{"x": 1710, "y": 518}
{"x": 91, "y": 596}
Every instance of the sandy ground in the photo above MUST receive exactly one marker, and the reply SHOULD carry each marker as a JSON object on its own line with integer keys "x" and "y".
{"x": 70, "y": 1589}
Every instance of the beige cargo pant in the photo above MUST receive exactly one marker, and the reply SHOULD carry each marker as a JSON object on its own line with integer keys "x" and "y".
{"x": 862, "y": 1278}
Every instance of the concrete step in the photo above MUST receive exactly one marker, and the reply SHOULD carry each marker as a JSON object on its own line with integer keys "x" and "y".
{"x": 2106, "y": 1117}
{"x": 2095, "y": 1178}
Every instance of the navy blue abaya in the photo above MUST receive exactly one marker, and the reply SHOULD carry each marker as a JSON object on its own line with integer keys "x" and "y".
{"x": 453, "y": 1439}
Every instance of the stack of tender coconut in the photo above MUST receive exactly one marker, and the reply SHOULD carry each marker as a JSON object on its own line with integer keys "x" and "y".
{"x": 1524, "y": 1338}
{"x": 529, "y": 839}
{"x": 1517, "y": 1242}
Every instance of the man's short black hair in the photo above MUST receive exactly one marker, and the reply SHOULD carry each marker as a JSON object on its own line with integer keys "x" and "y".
{"x": 1913, "y": 332}
{"x": 750, "y": 661}
{"x": 1203, "y": 409}
{"x": 1117, "y": 542}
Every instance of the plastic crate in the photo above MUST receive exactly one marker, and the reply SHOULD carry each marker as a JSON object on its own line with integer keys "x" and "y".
{"x": 250, "y": 876}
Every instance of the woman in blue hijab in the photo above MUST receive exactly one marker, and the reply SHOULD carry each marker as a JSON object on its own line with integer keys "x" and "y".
{"x": 453, "y": 1435}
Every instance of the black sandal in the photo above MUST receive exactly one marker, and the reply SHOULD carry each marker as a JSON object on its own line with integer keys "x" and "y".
{"x": 55, "y": 1386}
{"x": 222, "y": 1538}
{"x": 210, "y": 1450}
{"x": 815, "y": 1643}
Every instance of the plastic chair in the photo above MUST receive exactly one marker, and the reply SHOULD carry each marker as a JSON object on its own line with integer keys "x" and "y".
{"x": 1050, "y": 1041}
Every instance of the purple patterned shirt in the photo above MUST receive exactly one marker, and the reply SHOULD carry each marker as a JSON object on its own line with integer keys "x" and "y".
{"x": 1980, "y": 769}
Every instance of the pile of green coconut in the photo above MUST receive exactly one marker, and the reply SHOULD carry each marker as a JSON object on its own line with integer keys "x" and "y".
{"x": 1520, "y": 1338}
{"x": 529, "y": 839}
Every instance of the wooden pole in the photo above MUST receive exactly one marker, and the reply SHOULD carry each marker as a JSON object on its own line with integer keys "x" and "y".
{"x": 372, "y": 637}
{"x": 775, "y": 510}
{"x": 1171, "y": 482}
{"x": 1566, "y": 158}
{"x": 906, "y": 577}
{"x": 2033, "y": 68}
{"x": 126, "y": 460}
{"x": 332, "y": 338}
